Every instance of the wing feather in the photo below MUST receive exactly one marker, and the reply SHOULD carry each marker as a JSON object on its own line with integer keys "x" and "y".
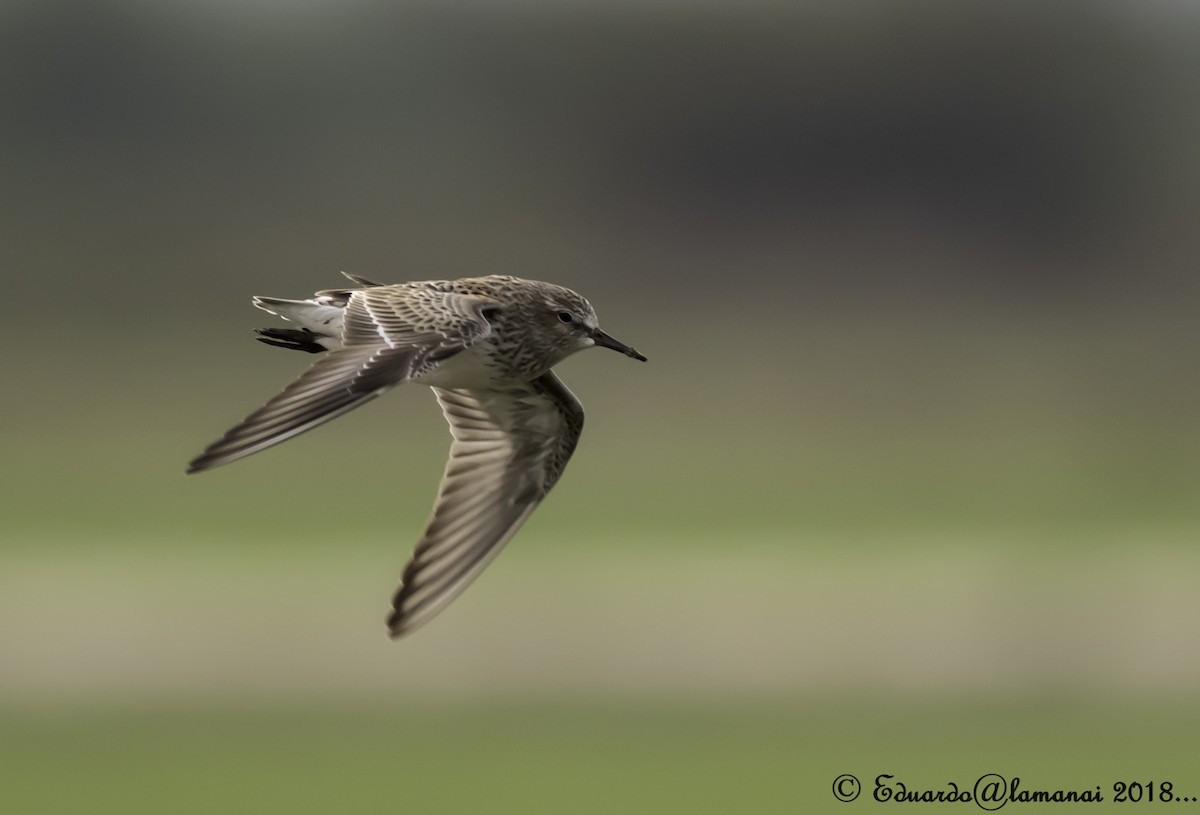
{"x": 510, "y": 447}
{"x": 376, "y": 353}
{"x": 337, "y": 383}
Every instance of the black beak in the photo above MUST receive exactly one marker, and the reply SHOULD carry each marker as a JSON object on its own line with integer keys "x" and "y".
{"x": 605, "y": 341}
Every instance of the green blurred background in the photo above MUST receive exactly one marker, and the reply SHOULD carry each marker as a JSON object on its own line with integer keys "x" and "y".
{"x": 909, "y": 485}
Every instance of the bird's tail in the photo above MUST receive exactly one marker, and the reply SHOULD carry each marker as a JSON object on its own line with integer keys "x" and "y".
{"x": 298, "y": 339}
{"x": 319, "y": 321}
{"x": 319, "y": 318}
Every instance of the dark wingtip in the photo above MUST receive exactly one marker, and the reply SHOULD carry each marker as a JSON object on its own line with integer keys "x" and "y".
{"x": 395, "y": 626}
{"x": 196, "y": 465}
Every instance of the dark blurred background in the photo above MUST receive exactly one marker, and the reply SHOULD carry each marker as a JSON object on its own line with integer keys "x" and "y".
{"x": 918, "y": 444}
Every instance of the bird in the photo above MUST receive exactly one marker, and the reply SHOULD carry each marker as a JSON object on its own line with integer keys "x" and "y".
{"x": 487, "y": 347}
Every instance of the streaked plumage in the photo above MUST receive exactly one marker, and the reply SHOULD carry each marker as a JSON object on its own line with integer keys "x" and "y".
{"x": 486, "y": 346}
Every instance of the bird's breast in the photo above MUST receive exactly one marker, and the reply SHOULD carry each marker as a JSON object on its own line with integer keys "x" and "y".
{"x": 472, "y": 368}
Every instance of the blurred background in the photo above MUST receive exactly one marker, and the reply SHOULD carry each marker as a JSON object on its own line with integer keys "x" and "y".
{"x": 909, "y": 485}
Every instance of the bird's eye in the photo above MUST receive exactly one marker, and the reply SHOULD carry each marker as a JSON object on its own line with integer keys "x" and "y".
{"x": 565, "y": 316}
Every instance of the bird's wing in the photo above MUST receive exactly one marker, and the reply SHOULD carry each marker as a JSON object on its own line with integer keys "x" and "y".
{"x": 362, "y": 281}
{"x": 387, "y": 337}
{"x": 509, "y": 448}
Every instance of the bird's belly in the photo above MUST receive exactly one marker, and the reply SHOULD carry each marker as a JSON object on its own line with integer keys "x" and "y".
{"x": 468, "y": 369}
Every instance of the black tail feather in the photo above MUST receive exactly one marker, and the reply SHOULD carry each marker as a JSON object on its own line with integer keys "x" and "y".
{"x": 298, "y": 339}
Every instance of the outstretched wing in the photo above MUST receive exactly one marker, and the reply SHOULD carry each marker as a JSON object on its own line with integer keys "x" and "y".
{"x": 390, "y": 334}
{"x": 509, "y": 448}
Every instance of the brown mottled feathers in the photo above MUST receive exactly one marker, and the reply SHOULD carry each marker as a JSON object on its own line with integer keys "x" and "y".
{"x": 385, "y": 341}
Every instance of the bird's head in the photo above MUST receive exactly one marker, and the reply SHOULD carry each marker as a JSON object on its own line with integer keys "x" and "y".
{"x": 571, "y": 321}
